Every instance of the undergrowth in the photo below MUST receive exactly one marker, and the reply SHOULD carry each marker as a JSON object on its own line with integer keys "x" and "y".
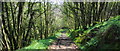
{"x": 104, "y": 35}
{"x": 40, "y": 44}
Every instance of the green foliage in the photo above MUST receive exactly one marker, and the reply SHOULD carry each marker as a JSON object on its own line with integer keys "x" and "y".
{"x": 39, "y": 44}
{"x": 104, "y": 35}
{"x": 75, "y": 33}
{"x": 58, "y": 34}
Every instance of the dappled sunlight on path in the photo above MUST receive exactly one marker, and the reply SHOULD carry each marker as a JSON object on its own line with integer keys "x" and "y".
{"x": 63, "y": 42}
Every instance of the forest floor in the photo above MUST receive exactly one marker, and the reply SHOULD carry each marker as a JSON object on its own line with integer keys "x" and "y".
{"x": 63, "y": 42}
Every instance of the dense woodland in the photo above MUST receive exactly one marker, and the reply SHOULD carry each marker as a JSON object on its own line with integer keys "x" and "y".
{"x": 88, "y": 24}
